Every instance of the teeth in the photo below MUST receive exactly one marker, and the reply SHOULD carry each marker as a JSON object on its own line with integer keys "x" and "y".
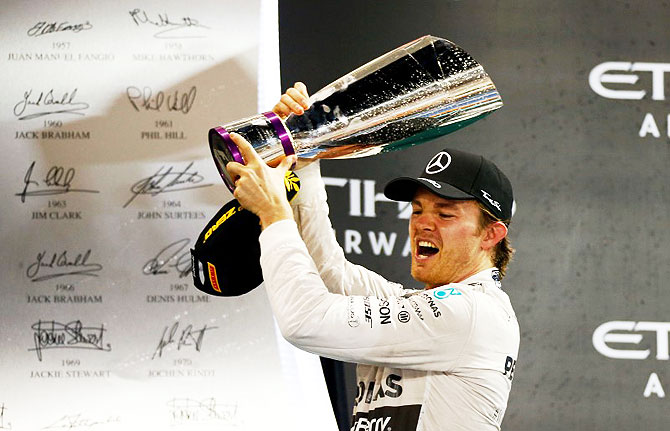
{"x": 427, "y": 244}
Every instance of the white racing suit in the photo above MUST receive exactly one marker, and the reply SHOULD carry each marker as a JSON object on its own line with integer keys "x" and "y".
{"x": 439, "y": 359}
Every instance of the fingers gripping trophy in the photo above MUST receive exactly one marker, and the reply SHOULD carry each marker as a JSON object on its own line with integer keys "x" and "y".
{"x": 422, "y": 90}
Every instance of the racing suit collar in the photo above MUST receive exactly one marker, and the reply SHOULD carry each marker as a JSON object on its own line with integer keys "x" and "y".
{"x": 485, "y": 277}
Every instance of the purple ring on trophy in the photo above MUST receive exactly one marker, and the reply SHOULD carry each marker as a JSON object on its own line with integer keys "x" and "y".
{"x": 266, "y": 133}
{"x": 422, "y": 90}
{"x": 283, "y": 134}
{"x": 232, "y": 153}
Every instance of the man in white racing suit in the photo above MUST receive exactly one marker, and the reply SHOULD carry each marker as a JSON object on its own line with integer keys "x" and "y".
{"x": 441, "y": 358}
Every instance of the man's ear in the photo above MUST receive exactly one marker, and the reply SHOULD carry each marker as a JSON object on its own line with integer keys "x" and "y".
{"x": 493, "y": 234}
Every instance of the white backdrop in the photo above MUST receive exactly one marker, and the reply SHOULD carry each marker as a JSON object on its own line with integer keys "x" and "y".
{"x": 107, "y": 180}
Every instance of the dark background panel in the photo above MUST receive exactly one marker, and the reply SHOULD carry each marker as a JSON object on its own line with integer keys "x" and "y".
{"x": 592, "y": 225}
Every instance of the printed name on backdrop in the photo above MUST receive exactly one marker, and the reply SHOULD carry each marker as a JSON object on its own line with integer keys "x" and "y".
{"x": 171, "y": 211}
{"x": 64, "y": 299}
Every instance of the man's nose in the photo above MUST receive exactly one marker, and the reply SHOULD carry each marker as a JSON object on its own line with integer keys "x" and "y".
{"x": 424, "y": 222}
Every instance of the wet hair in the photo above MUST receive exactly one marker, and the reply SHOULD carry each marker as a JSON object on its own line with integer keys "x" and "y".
{"x": 503, "y": 251}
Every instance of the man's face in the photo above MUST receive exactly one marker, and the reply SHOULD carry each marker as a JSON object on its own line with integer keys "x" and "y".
{"x": 446, "y": 239}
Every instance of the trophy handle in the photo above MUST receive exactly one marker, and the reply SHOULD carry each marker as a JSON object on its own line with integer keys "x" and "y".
{"x": 266, "y": 132}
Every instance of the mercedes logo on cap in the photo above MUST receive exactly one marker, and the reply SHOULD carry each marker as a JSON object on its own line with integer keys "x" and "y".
{"x": 438, "y": 163}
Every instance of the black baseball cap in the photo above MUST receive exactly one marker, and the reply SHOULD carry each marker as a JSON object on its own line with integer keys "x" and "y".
{"x": 226, "y": 257}
{"x": 455, "y": 174}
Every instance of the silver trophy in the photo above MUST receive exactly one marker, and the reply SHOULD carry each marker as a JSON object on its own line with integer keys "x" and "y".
{"x": 424, "y": 89}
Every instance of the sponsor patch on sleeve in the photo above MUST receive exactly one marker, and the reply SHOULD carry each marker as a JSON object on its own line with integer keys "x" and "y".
{"x": 445, "y": 292}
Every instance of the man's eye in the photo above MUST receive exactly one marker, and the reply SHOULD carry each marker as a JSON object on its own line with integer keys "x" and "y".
{"x": 445, "y": 216}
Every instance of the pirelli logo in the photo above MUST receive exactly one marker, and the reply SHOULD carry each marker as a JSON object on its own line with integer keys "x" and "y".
{"x": 211, "y": 269}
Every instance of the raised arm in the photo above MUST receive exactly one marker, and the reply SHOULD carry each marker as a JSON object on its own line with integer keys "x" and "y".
{"x": 310, "y": 210}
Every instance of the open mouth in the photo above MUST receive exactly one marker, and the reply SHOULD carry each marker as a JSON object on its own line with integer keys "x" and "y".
{"x": 426, "y": 249}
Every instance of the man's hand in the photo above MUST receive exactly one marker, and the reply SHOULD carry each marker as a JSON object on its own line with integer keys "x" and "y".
{"x": 294, "y": 101}
{"x": 258, "y": 187}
